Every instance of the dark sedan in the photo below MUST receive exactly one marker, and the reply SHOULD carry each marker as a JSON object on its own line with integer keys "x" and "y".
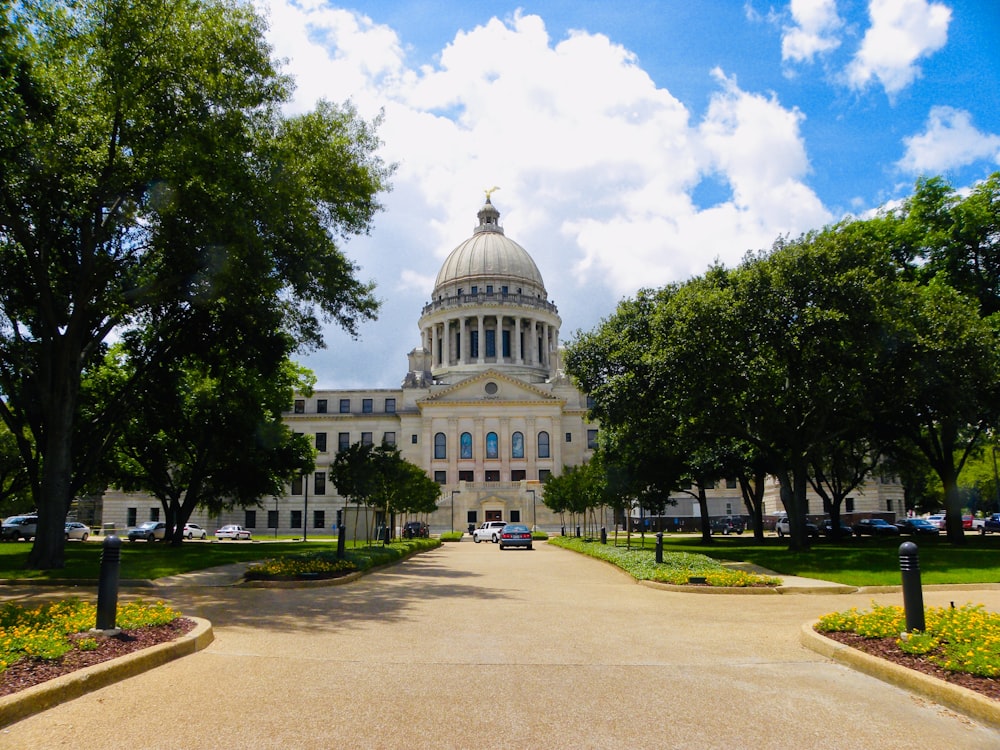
{"x": 918, "y": 527}
{"x": 515, "y": 535}
{"x": 874, "y": 527}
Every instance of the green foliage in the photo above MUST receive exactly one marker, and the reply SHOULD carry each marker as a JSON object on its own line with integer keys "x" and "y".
{"x": 962, "y": 639}
{"x": 43, "y": 632}
{"x": 676, "y": 567}
{"x": 322, "y": 564}
{"x": 452, "y": 536}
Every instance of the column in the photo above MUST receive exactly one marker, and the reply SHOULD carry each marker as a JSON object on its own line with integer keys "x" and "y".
{"x": 516, "y": 343}
{"x": 446, "y": 348}
{"x": 482, "y": 340}
{"x": 463, "y": 340}
{"x": 434, "y": 350}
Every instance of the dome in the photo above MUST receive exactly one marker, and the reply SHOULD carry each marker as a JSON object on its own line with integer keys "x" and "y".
{"x": 489, "y": 256}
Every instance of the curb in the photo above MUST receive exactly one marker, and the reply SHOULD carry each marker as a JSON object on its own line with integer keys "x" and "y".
{"x": 955, "y": 697}
{"x": 41, "y": 697}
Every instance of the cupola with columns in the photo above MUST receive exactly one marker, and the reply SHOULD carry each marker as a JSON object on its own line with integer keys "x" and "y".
{"x": 489, "y": 310}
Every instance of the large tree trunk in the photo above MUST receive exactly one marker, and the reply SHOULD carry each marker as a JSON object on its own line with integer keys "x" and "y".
{"x": 55, "y": 491}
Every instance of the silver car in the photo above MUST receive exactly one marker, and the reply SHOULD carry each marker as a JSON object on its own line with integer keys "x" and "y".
{"x": 77, "y": 530}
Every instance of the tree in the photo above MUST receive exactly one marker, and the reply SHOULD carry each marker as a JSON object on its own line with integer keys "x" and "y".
{"x": 146, "y": 173}
{"x": 945, "y": 384}
{"x": 246, "y": 453}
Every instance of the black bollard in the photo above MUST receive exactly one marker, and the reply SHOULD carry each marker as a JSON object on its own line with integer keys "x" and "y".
{"x": 577, "y": 532}
{"x": 604, "y": 535}
{"x": 341, "y": 541}
{"x": 562, "y": 531}
{"x": 913, "y": 596}
{"x": 107, "y": 587}
{"x": 659, "y": 546}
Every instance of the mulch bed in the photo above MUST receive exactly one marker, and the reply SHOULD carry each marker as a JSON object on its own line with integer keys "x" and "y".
{"x": 28, "y": 672}
{"x": 886, "y": 648}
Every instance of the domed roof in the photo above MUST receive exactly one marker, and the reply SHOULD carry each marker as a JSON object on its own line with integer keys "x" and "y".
{"x": 489, "y": 255}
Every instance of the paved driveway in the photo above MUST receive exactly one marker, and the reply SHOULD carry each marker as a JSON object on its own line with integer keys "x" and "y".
{"x": 467, "y": 646}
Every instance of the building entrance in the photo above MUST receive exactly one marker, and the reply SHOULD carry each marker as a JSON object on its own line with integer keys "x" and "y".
{"x": 494, "y": 515}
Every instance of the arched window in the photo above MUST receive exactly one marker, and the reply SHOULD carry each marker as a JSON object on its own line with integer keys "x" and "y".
{"x": 465, "y": 445}
{"x": 543, "y": 445}
{"x": 492, "y": 445}
{"x": 517, "y": 445}
{"x": 440, "y": 445}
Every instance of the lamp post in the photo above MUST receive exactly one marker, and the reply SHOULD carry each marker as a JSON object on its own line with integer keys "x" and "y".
{"x": 453, "y": 493}
{"x": 534, "y": 514}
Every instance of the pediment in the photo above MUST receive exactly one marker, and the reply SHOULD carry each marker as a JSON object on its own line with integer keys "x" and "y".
{"x": 490, "y": 387}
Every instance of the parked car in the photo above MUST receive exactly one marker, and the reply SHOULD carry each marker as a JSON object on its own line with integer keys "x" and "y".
{"x": 874, "y": 527}
{"x": 77, "y": 530}
{"x": 489, "y": 531}
{"x": 991, "y": 524}
{"x": 232, "y": 531}
{"x": 413, "y": 529}
{"x": 937, "y": 519}
{"x": 515, "y": 535}
{"x": 783, "y": 527}
{"x": 19, "y": 527}
{"x": 194, "y": 531}
{"x": 826, "y": 529}
{"x": 918, "y": 527}
{"x": 149, "y": 530}
{"x": 728, "y": 525}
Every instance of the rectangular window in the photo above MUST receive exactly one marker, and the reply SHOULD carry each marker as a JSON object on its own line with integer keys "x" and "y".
{"x": 300, "y": 406}
{"x": 366, "y": 406}
{"x": 517, "y": 475}
{"x": 710, "y": 484}
{"x": 154, "y": 514}
{"x": 590, "y": 402}
{"x": 441, "y": 477}
{"x": 731, "y": 483}
{"x": 475, "y": 290}
{"x": 491, "y": 342}
{"x": 489, "y": 289}
{"x": 296, "y": 522}
{"x": 569, "y": 437}
{"x": 319, "y": 519}
{"x": 250, "y": 519}
{"x": 296, "y": 486}
{"x": 343, "y": 441}
{"x": 888, "y": 504}
{"x": 503, "y": 291}
{"x": 321, "y": 442}
{"x": 345, "y": 406}
{"x": 849, "y": 505}
{"x": 544, "y": 474}
{"x": 389, "y": 438}
{"x": 505, "y": 343}
{"x": 390, "y": 406}
{"x": 321, "y": 406}
{"x": 130, "y": 516}
{"x": 471, "y": 517}
{"x": 272, "y": 519}
{"x": 592, "y": 439}
{"x": 515, "y": 516}
{"x": 413, "y": 439}
{"x": 493, "y": 475}
{"x": 474, "y": 343}
{"x": 465, "y": 476}
{"x": 319, "y": 483}
{"x": 366, "y": 438}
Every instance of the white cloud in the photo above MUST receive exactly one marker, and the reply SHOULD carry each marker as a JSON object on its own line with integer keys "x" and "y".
{"x": 598, "y": 167}
{"x": 816, "y": 22}
{"x": 949, "y": 141}
{"x": 901, "y": 33}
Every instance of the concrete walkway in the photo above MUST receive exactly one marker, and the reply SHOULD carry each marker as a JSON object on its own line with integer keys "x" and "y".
{"x": 469, "y": 646}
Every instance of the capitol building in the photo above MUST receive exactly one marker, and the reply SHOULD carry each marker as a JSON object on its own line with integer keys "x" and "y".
{"x": 483, "y": 407}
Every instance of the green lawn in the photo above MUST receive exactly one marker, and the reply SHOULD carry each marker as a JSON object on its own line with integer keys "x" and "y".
{"x": 855, "y": 562}
{"x": 145, "y": 560}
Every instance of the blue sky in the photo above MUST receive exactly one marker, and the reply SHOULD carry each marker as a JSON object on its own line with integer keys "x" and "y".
{"x": 633, "y": 143}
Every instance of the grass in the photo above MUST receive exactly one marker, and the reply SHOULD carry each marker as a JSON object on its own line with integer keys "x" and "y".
{"x": 854, "y": 562}
{"x": 677, "y": 567}
{"x": 142, "y": 560}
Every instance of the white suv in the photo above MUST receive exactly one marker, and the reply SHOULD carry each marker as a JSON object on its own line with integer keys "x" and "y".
{"x": 489, "y": 531}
